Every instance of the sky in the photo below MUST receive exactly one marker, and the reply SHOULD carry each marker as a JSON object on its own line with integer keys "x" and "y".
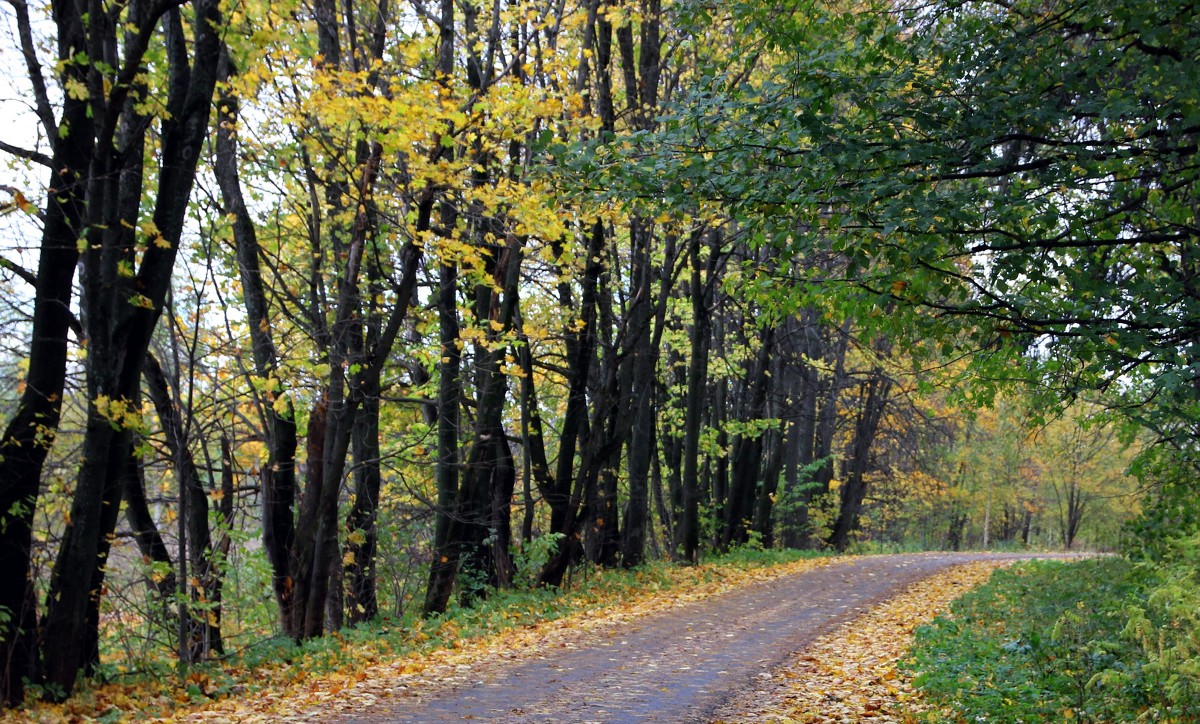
{"x": 18, "y": 126}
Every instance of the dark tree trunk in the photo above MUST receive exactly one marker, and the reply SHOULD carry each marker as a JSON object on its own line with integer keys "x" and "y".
{"x": 854, "y": 487}
{"x": 644, "y": 348}
{"x": 443, "y": 570}
{"x": 362, "y": 529}
{"x": 203, "y": 637}
{"x": 483, "y": 520}
{"x": 535, "y": 440}
{"x": 647, "y": 326}
{"x": 802, "y": 384}
{"x": 363, "y": 537}
{"x": 144, "y": 528}
{"x": 718, "y": 471}
{"x": 278, "y": 474}
{"x": 580, "y": 341}
{"x": 697, "y": 397}
{"x": 763, "y": 506}
{"x": 828, "y": 399}
{"x": 954, "y": 536}
{"x": 121, "y": 310}
{"x": 747, "y": 456}
{"x": 30, "y": 432}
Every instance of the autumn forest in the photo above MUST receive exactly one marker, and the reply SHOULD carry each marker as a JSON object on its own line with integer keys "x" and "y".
{"x": 318, "y": 316}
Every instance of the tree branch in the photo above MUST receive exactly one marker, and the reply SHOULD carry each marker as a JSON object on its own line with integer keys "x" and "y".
{"x": 25, "y": 153}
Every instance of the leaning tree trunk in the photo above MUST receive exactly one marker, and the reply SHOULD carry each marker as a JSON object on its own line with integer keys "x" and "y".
{"x": 203, "y": 637}
{"x": 30, "y": 432}
{"x": 145, "y": 531}
{"x": 854, "y": 488}
{"x": 565, "y": 493}
{"x": 121, "y": 308}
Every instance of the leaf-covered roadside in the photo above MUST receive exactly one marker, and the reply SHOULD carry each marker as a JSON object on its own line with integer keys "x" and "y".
{"x": 852, "y": 674}
{"x": 348, "y": 671}
{"x": 1096, "y": 640}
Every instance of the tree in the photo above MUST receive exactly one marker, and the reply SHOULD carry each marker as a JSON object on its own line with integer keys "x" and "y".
{"x": 94, "y": 215}
{"x": 1085, "y": 466}
{"x": 1010, "y": 181}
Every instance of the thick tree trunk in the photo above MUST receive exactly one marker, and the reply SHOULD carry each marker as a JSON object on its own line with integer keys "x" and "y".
{"x": 30, "y": 432}
{"x": 120, "y": 312}
{"x": 642, "y": 358}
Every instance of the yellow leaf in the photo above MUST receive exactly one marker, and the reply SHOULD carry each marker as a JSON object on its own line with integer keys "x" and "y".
{"x": 76, "y": 90}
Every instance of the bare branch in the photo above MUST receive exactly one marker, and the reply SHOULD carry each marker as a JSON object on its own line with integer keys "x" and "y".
{"x": 26, "y": 154}
{"x": 34, "y": 69}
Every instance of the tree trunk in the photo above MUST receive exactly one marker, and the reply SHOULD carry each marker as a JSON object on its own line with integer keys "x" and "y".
{"x": 278, "y": 474}
{"x": 145, "y": 530}
{"x": 120, "y": 312}
{"x": 854, "y": 487}
{"x": 747, "y": 456}
{"x": 697, "y": 397}
{"x": 580, "y": 342}
{"x": 764, "y": 505}
{"x": 30, "y": 432}
{"x": 443, "y": 570}
{"x": 203, "y": 638}
{"x": 362, "y": 541}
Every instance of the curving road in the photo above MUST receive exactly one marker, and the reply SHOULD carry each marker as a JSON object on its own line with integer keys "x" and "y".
{"x": 687, "y": 664}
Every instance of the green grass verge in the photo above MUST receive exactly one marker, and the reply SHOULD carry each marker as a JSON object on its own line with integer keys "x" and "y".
{"x": 1092, "y": 640}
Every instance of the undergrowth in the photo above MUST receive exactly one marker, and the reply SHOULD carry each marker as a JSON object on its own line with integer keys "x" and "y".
{"x": 1094, "y": 640}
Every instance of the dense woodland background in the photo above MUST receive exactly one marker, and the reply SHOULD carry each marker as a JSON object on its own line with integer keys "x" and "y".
{"x": 317, "y": 313}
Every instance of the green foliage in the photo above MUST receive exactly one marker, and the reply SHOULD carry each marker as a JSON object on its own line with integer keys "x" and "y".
{"x": 1014, "y": 182}
{"x": 1164, "y": 627}
{"x": 753, "y": 555}
{"x": 1095, "y": 640}
{"x": 530, "y": 558}
{"x": 1173, "y": 511}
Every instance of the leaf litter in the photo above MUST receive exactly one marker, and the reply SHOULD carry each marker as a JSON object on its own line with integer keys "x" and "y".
{"x": 851, "y": 674}
{"x": 283, "y": 692}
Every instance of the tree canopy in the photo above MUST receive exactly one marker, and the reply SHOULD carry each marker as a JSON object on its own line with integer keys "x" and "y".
{"x": 440, "y": 298}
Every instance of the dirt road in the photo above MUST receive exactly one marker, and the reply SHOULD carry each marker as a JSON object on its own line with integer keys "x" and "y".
{"x": 686, "y": 664}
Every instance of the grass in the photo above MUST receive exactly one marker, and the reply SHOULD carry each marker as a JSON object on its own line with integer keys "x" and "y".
{"x": 1054, "y": 641}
